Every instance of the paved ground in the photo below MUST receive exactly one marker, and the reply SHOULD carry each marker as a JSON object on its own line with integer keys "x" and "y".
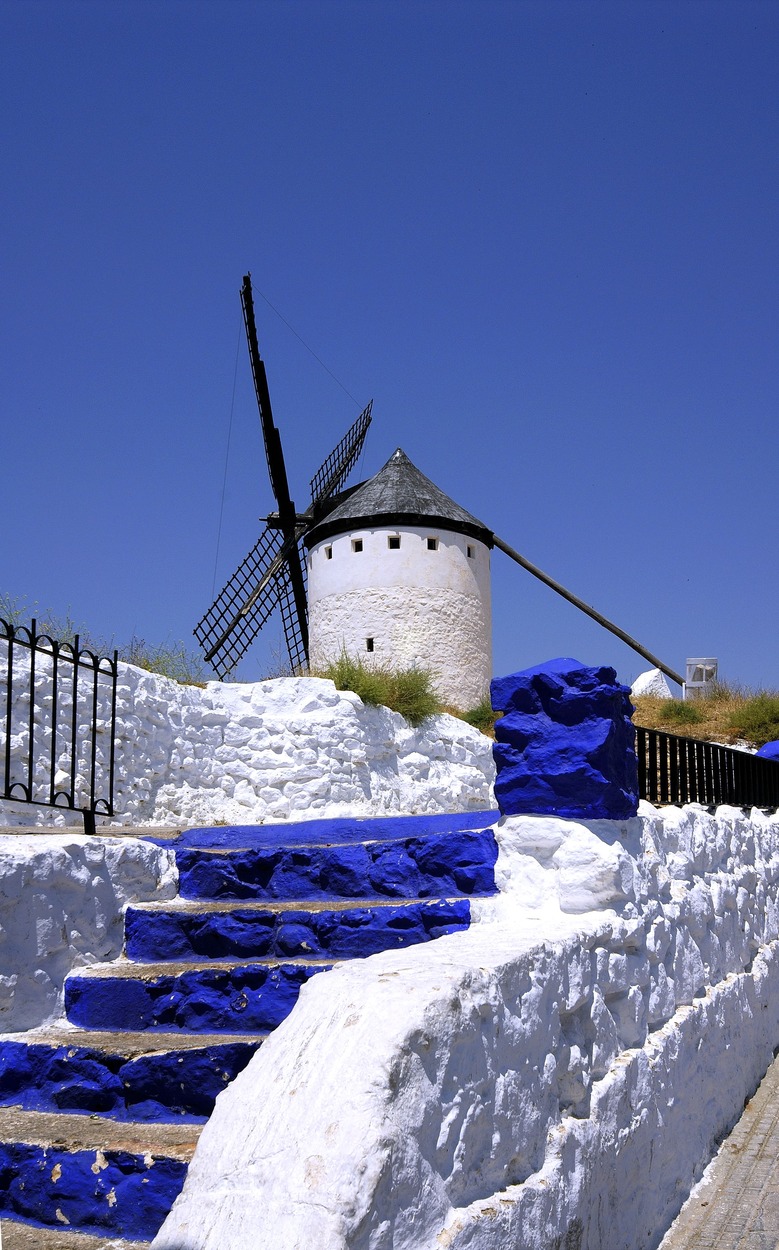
{"x": 736, "y": 1205}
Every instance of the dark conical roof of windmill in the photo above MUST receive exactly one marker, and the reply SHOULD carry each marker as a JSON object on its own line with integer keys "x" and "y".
{"x": 398, "y": 495}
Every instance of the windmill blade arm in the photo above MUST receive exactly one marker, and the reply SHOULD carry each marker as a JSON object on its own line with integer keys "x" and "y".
{"x": 270, "y": 434}
{"x": 342, "y": 459}
{"x": 585, "y": 607}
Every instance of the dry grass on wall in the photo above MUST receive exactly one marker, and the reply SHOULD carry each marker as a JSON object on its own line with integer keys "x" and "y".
{"x": 726, "y": 713}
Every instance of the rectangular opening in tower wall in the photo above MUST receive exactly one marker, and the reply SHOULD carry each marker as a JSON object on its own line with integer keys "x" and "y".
{"x": 368, "y": 644}
{"x": 432, "y": 544}
{"x": 393, "y": 542}
{"x": 356, "y": 544}
{"x": 328, "y": 553}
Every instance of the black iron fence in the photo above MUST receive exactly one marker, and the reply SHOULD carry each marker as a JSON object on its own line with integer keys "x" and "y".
{"x": 58, "y": 710}
{"x": 683, "y": 770}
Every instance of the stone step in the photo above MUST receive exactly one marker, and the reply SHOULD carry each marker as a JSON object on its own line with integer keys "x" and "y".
{"x": 218, "y": 930}
{"x": 111, "y": 1106}
{"x": 439, "y": 864}
{"x": 16, "y": 1236}
{"x": 203, "y": 996}
{"x": 323, "y": 832}
{"x": 91, "y": 1174}
{"x": 128, "y": 1076}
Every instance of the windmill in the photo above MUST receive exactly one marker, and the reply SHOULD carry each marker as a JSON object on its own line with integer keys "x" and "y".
{"x": 273, "y": 574}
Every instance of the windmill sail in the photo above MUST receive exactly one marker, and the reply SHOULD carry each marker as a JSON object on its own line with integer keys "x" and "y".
{"x": 273, "y": 574}
{"x": 238, "y": 613}
{"x": 296, "y": 647}
{"x": 339, "y": 464}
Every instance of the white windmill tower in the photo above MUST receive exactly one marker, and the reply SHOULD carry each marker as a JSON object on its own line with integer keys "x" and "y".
{"x": 398, "y": 573}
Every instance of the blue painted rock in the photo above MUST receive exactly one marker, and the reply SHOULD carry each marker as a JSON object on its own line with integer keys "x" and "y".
{"x": 221, "y": 931}
{"x": 235, "y": 998}
{"x": 770, "y": 751}
{"x": 438, "y": 864}
{"x": 565, "y": 745}
{"x": 106, "y": 1184}
{"x": 127, "y": 1076}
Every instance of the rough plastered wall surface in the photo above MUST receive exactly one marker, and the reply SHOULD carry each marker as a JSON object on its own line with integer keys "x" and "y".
{"x": 248, "y": 753}
{"x": 440, "y": 629}
{"x": 62, "y": 900}
{"x": 555, "y": 1076}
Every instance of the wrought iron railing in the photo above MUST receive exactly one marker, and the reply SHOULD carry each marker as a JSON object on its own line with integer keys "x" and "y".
{"x": 58, "y": 722}
{"x": 684, "y": 770}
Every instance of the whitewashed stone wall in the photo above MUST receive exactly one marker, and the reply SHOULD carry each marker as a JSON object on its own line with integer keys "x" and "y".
{"x": 555, "y": 1076}
{"x": 62, "y": 899}
{"x": 288, "y": 748}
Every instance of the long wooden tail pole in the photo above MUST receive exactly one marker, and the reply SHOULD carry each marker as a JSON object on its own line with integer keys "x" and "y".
{"x": 585, "y": 607}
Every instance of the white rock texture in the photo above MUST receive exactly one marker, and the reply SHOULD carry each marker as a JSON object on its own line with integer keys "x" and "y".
{"x": 423, "y": 607}
{"x": 555, "y": 1076}
{"x": 291, "y": 748}
{"x": 652, "y": 682}
{"x": 62, "y": 900}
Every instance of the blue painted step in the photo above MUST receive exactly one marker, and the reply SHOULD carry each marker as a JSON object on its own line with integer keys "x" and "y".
{"x": 262, "y": 909}
{"x": 139, "y": 1077}
{"x": 73, "y": 1172}
{"x": 412, "y": 868}
{"x": 234, "y": 997}
{"x": 127, "y": 1198}
{"x": 328, "y": 832}
{"x": 159, "y": 931}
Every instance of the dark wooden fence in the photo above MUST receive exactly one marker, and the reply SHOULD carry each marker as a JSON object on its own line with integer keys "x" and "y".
{"x": 683, "y": 770}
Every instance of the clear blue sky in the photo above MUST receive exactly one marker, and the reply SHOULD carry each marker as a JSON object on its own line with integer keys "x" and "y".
{"x": 543, "y": 236}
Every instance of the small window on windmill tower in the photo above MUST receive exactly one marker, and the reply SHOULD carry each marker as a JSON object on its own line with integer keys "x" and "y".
{"x": 368, "y": 644}
{"x": 328, "y": 553}
{"x": 393, "y": 542}
{"x": 469, "y": 551}
{"x": 356, "y": 544}
{"x": 432, "y": 544}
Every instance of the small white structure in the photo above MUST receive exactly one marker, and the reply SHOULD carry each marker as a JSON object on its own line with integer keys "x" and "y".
{"x": 701, "y": 672}
{"x": 653, "y": 683}
{"x": 400, "y": 573}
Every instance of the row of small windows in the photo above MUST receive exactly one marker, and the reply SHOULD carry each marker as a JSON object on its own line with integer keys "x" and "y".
{"x": 393, "y": 542}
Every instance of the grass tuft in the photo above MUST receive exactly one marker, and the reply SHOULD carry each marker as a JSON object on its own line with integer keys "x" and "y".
{"x": 168, "y": 659}
{"x": 758, "y": 719}
{"x": 405, "y": 690}
{"x": 481, "y": 717}
{"x": 679, "y": 712}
